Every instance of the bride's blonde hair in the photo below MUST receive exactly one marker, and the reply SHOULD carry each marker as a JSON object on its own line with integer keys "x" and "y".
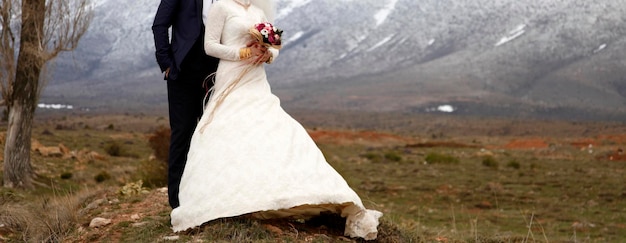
{"x": 268, "y": 6}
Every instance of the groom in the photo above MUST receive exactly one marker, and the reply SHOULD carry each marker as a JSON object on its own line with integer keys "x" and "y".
{"x": 185, "y": 65}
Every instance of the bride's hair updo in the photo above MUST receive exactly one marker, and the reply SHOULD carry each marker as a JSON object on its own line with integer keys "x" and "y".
{"x": 268, "y": 6}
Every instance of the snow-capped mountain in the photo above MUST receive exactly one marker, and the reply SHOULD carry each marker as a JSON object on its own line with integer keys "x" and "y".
{"x": 407, "y": 55}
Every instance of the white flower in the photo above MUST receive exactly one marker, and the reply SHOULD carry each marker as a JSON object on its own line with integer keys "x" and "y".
{"x": 264, "y": 32}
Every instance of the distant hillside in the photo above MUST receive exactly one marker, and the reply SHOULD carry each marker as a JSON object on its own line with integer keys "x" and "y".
{"x": 560, "y": 58}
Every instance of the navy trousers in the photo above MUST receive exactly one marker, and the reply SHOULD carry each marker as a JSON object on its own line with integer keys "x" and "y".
{"x": 185, "y": 98}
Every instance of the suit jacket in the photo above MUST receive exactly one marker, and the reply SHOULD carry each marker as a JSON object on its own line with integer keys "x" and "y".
{"x": 185, "y": 19}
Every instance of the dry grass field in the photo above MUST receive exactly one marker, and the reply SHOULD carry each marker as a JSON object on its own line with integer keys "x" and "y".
{"x": 437, "y": 178}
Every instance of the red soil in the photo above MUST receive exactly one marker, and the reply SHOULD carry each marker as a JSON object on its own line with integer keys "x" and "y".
{"x": 373, "y": 138}
{"x": 348, "y": 137}
{"x": 617, "y": 155}
{"x": 584, "y": 143}
{"x": 529, "y": 143}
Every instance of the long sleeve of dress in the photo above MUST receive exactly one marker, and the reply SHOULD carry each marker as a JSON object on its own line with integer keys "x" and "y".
{"x": 274, "y": 52}
{"x": 215, "y": 25}
{"x": 216, "y": 20}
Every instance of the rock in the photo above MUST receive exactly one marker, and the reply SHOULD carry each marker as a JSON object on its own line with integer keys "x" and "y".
{"x": 483, "y": 152}
{"x": 582, "y": 226}
{"x": 362, "y": 223}
{"x": 99, "y": 222}
{"x": 484, "y": 205}
{"x": 171, "y": 238}
{"x": 95, "y": 156}
{"x": 64, "y": 150}
{"x": 592, "y": 203}
{"x": 85, "y": 155}
{"x": 34, "y": 144}
{"x": 494, "y": 187}
{"x": 273, "y": 229}
{"x": 94, "y": 204}
{"x": 139, "y": 224}
{"x": 345, "y": 239}
{"x": 135, "y": 217}
{"x": 53, "y": 151}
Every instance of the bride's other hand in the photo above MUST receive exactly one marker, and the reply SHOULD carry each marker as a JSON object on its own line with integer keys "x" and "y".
{"x": 258, "y": 49}
{"x": 264, "y": 58}
{"x": 260, "y": 53}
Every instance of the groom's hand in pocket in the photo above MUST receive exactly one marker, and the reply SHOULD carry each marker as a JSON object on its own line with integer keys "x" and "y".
{"x": 166, "y": 73}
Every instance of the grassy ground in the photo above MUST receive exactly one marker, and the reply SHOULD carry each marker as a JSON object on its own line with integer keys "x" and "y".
{"x": 535, "y": 195}
{"x": 439, "y": 184}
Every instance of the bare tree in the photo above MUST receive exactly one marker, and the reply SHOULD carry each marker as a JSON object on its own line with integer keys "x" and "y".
{"x": 39, "y": 30}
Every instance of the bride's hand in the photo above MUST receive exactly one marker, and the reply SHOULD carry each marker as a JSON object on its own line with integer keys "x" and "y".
{"x": 260, "y": 54}
{"x": 267, "y": 56}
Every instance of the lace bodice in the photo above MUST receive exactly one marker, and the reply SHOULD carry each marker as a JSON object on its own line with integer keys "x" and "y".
{"x": 227, "y": 29}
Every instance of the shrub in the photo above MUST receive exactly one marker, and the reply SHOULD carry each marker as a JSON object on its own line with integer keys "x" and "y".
{"x": 8, "y": 195}
{"x": 393, "y": 156}
{"x": 44, "y": 219}
{"x": 374, "y": 157}
{"x": 160, "y": 143}
{"x": 490, "y": 162}
{"x": 437, "y": 158}
{"x": 66, "y": 175}
{"x": 387, "y": 156}
{"x": 534, "y": 166}
{"x": 132, "y": 188}
{"x": 153, "y": 173}
{"x": 113, "y": 148}
{"x": 513, "y": 164}
{"x": 124, "y": 224}
{"x": 102, "y": 176}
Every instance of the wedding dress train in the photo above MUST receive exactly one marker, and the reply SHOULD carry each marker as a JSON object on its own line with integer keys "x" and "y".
{"x": 248, "y": 155}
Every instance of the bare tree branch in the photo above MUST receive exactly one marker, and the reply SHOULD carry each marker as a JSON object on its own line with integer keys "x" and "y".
{"x": 68, "y": 23}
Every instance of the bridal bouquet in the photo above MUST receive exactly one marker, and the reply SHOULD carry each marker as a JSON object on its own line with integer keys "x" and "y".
{"x": 265, "y": 33}
{"x": 268, "y": 34}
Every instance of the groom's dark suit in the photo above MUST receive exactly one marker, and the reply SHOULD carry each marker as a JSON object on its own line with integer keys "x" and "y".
{"x": 185, "y": 65}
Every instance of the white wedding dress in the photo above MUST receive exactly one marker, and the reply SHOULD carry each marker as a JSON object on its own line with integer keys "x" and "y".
{"x": 248, "y": 155}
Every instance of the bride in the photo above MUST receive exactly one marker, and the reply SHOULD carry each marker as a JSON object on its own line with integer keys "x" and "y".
{"x": 247, "y": 155}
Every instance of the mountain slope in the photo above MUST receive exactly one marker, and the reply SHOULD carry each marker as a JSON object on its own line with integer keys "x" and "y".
{"x": 389, "y": 55}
